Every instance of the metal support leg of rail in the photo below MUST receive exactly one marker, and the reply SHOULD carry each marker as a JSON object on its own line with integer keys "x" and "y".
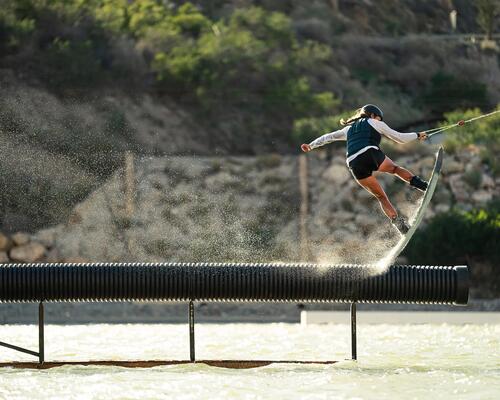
{"x": 41, "y": 351}
{"x": 41, "y": 340}
{"x": 191, "y": 332}
{"x": 354, "y": 352}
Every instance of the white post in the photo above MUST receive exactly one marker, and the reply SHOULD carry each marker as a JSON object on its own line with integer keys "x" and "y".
{"x": 453, "y": 20}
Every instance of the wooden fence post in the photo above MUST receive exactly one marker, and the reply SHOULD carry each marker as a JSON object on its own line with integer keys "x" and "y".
{"x": 129, "y": 184}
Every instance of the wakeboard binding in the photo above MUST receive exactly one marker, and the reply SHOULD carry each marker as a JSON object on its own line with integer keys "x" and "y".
{"x": 400, "y": 224}
{"x": 418, "y": 183}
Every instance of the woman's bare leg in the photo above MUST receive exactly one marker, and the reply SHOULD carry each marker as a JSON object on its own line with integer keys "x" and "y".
{"x": 373, "y": 186}
{"x": 389, "y": 167}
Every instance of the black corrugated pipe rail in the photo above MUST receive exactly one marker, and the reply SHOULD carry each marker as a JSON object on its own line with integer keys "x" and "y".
{"x": 233, "y": 282}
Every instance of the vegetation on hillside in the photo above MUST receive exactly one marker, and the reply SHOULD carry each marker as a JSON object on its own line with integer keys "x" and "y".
{"x": 483, "y": 134}
{"x": 258, "y": 75}
{"x": 256, "y": 71}
{"x": 458, "y": 237}
{"x": 487, "y": 15}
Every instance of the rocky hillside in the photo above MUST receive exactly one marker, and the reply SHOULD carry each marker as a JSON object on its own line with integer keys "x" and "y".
{"x": 247, "y": 209}
{"x": 84, "y": 81}
{"x": 55, "y": 150}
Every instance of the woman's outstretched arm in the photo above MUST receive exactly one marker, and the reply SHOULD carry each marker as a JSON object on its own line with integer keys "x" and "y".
{"x": 399, "y": 137}
{"x": 341, "y": 134}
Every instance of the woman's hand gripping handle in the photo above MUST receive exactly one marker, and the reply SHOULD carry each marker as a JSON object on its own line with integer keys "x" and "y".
{"x": 422, "y": 135}
{"x": 305, "y": 148}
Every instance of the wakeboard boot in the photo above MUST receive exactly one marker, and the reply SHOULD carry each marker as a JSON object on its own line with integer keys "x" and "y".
{"x": 418, "y": 183}
{"x": 400, "y": 224}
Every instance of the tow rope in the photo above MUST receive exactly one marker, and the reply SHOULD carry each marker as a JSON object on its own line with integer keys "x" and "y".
{"x": 432, "y": 132}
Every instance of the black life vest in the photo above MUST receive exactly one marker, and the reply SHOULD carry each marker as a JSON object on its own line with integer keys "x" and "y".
{"x": 360, "y": 135}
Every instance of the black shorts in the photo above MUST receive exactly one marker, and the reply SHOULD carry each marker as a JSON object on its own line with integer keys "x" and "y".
{"x": 367, "y": 162}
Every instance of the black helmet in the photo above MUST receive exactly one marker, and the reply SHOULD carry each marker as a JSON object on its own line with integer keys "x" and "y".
{"x": 372, "y": 109}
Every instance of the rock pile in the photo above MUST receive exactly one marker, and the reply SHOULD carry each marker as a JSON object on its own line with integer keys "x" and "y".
{"x": 22, "y": 247}
{"x": 19, "y": 248}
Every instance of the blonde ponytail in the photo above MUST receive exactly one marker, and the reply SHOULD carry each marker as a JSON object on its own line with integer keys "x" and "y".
{"x": 353, "y": 118}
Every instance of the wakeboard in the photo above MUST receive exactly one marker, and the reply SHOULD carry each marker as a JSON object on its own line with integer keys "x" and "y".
{"x": 423, "y": 206}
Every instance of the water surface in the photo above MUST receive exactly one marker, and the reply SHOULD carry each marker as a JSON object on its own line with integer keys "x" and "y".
{"x": 395, "y": 362}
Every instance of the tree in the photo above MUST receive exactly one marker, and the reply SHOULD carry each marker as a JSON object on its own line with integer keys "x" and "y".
{"x": 487, "y": 10}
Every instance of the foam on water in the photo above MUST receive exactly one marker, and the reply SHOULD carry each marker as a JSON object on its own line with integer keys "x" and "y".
{"x": 439, "y": 361}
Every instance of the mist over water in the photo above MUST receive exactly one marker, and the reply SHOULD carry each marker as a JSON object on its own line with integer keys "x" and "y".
{"x": 192, "y": 209}
{"x": 221, "y": 210}
{"x": 68, "y": 176}
{"x": 388, "y": 259}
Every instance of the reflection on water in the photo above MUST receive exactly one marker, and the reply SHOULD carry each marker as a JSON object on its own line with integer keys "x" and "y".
{"x": 395, "y": 362}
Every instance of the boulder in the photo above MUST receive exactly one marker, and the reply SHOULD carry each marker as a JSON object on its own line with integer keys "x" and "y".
{"x": 46, "y": 237}
{"x": 473, "y": 165}
{"x": 4, "y": 258}
{"x": 53, "y": 256}
{"x": 5, "y": 243}
{"x": 426, "y": 164}
{"x": 20, "y": 238}
{"x": 442, "y": 208}
{"x": 29, "y": 253}
{"x": 487, "y": 182}
{"x": 458, "y": 188}
{"x": 453, "y": 167}
{"x": 442, "y": 195}
{"x": 482, "y": 196}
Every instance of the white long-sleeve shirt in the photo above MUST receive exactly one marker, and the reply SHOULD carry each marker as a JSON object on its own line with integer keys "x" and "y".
{"x": 380, "y": 126}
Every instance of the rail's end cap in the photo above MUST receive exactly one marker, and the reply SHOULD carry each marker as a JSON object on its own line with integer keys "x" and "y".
{"x": 462, "y": 295}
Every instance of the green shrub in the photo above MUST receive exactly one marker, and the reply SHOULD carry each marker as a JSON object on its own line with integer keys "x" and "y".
{"x": 489, "y": 155}
{"x": 483, "y": 133}
{"x": 447, "y": 92}
{"x": 145, "y": 14}
{"x": 71, "y": 63}
{"x": 190, "y": 20}
{"x": 457, "y": 237}
{"x": 13, "y": 29}
{"x": 250, "y": 63}
{"x": 113, "y": 15}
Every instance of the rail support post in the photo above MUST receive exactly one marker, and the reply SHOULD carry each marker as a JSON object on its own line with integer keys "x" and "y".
{"x": 41, "y": 339}
{"x": 191, "y": 332}
{"x": 354, "y": 352}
